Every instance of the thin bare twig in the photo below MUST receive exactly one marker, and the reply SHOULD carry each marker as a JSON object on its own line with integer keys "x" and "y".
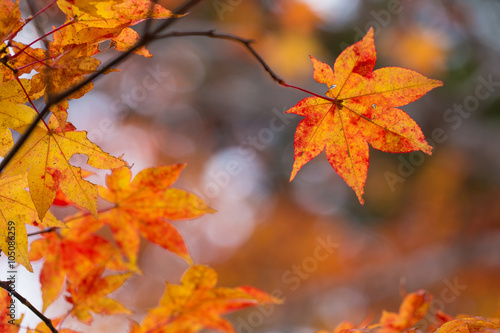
{"x": 6, "y": 285}
{"x": 212, "y": 34}
{"x": 44, "y": 231}
{"x": 248, "y": 44}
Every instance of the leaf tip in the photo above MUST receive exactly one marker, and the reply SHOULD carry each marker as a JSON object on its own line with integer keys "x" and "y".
{"x": 427, "y": 148}
{"x": 438, "y": 83}
{"x": 187, "y": 258}
{"x": 94, "y": 212}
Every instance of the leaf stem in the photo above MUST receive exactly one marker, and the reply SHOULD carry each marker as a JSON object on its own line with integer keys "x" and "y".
{"x": 40, "y": 38}
{"x": 333, "y": 100}
{"x": 26, "y": 93}
{"x": 34, "y": 63}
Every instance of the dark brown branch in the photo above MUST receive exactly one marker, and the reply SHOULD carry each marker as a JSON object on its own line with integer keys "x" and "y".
{"x": 147, "y": 24}
{"x": 147, "y": 38}
{"x": 6, "y": 285}
{"x": 245, "y": 42}
{"x": 44, "y": 231}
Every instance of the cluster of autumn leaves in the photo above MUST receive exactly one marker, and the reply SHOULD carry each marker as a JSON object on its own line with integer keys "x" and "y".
{"x": 77, "y": 261}
{"x": 86, "y": 267}
{"x": 414, "y": 316}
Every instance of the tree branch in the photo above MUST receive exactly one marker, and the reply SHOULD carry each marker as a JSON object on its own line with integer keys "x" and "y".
{"x": 56, "y": 99}
{"x": 247, "y": 43}
{"x": 6, "y": 285}
{"x": 44, "y": 231}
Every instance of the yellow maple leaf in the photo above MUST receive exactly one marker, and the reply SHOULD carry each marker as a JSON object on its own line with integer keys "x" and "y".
{"x": 10, "y": 19}
{"x": 45, "y": 157}
{"x": 16, "y": 209}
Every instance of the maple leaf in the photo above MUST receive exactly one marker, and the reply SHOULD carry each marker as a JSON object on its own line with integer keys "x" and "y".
{"x": 16, "y": 209}
{"x": 61, "y": 199}
{"x": 71, "y": 256}
{"x": 12, "y": 115}
{"x": 67, "y": 69}
{"x": 26, "y": 60}
{"x": 197, "y": 303}
{"x": 142, "y": 206}
{"x": 12, "y": 91}
{"x": 78, "y": 33}
{"x": 413, "y": 308}
{"x": 440, "y": 318}
{"x": 89, "y": 295}
{"x": 6, "y": 320}
{"x": 10, "y": 19}
{"x": 113, "y": 13}
{"x": 101, "y": 20}
{"x": 128, "y": 38}
{"x": 359, "y": 109}
{"x": 89, "y": 6}
{"x": 45, "y": 157}
{"x": 469, "y": 324}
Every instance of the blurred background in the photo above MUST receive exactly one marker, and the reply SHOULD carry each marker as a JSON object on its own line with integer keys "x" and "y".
{"x": 429, "y": 222}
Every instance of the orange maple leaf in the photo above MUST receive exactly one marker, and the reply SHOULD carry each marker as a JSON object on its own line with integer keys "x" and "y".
{"x": 89, "y": 295}
{"x": 469, "y": 324}
{"x": 66, "y": 68}
{"x": 26, "y": 61}
{"x": 197, "y": 303}
{"x": 45, "y": 157}
{"x": 141, "y": 207}
{"x": 9, "y": 324}
{"x": 71, "y": 256}
{"x": 359, "y": 109}
{"x": 413, "y": 308}
{"x": 10, "y": 19}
